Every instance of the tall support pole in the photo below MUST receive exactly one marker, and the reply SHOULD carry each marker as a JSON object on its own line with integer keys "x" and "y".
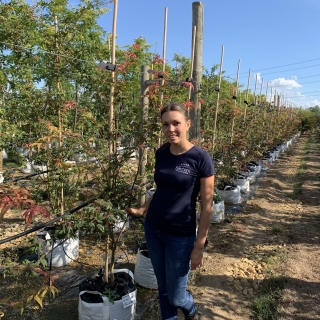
{"x": 235, "y": 102}
{"x": 265, "y": 104}
{"x": 278, "y": 102}
{"x": 113, "y": 77}
{"x": 255, "y": 89}
{"x": 164, "y": 49}
{"x": 260, "y": 91}
{"x": 195, "y": 112}
{"x": 247, "y": 95}
{"x": 193, "y": 44}
{"x": 214, "y": 137}
{"x": 57, "y": 64}
{"x": 143, "y": 118}
{"x": 267, "y": 91}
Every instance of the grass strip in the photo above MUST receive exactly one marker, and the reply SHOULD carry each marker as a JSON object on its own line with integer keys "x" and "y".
{"x": 266, "y": 304}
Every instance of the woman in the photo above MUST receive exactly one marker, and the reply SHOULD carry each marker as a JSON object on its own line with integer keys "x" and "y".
{"x": 181, "y": 171}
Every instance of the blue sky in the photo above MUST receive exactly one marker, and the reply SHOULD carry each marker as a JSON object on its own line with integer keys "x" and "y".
{"x": 276, "y": 39}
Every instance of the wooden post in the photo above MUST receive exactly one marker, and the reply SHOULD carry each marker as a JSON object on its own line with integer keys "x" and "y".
{"x": 247, "y": 95}
{"x": 113, "y": 76}
{"x": 260, "y": 91}
{"x": 214, "y": 136}
{"x": 195, "y": 112}
{"x": 194, "y": 34}
{"x": 267, "y": 91}
{"x": 143, "y": 119}
{"x": 235, "y": 103}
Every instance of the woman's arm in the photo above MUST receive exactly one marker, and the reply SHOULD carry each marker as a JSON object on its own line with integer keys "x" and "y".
{"x": 206, "y": 193}
{"x": 140, "y": 212}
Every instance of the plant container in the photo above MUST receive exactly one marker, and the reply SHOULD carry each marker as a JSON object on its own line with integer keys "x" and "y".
{"x": 95, "y": 305}
{"x": 59, "y": 252}
{"x": 143, "y": 270}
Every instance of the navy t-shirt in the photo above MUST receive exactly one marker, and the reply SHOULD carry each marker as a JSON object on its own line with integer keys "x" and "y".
{"x": 172, "y": 209}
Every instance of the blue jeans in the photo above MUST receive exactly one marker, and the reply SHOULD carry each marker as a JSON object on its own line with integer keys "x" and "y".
{"x": 170, "y": 258}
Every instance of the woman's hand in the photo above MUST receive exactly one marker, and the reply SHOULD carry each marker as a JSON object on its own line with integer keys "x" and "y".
{"x": 139, "y": 213}
{"x": 196, "y": 258}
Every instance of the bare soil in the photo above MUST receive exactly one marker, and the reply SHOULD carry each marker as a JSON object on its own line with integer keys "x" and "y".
{"x": 276, "y": 234}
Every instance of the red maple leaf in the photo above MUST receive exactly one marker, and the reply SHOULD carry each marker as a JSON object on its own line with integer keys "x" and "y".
{"x": 31, "y": 212}
{"x": 188, "y": 104}
{"x": 187, "y": 84}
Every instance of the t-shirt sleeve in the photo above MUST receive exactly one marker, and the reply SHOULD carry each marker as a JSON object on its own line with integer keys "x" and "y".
{"x": 206, "y": 167}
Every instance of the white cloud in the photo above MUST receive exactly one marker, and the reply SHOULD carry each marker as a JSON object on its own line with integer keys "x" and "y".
{"x": 258, "y": 75}
{"x": 284, "y": 84}
{"x": 312, "y": 103}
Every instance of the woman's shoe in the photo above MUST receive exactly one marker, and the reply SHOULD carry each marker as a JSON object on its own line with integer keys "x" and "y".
{"x": 194, "y": 316}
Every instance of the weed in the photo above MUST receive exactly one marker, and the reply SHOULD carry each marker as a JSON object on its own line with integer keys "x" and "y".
{"x": 265, "y": 306}
{"x": 276, "y": 230}
{"x": 302, "y": 168}
{"x": 297, "y": 190}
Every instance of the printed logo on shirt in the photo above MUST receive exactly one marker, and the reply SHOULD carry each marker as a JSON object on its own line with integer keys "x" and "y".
{"x": 183, "y": 167}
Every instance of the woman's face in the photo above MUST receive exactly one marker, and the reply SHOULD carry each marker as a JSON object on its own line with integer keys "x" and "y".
{"x": 175, "y": 126}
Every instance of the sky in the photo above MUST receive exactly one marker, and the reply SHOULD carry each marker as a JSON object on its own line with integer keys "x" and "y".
{"x": 279, "y": 40}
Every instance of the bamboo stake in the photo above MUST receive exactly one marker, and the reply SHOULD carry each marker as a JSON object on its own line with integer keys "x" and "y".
{"x": 255, "y": 88}
{"x": 113, "y": 76}
{"x": 57, "y": 62}
{"x": 247, "y": 95}
{"x": 106, "y": 252}
{"x": 164, "y": 48}
{"x": 235, "y": 103}
{"x": 1, "y": 161}
{"x": 264, "y": 109}
{"x": 217, "y": 104}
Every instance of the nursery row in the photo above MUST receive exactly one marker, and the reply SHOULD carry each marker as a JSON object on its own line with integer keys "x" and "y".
{"x": 118, "y": 300}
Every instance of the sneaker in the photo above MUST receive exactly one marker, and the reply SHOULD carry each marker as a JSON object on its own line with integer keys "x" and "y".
{"x": 194, "y": 316}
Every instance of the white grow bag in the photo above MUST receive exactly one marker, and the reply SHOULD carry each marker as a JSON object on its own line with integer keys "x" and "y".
{"x": 4, "y": 154}
{"x": 22, "y": 151}
{"x": 243, "y": 183}
{"x": 149, "y": 193}
{"x": 143, "y": 271}
{"x": 27, "y": 168}
{"x": 38, "y": 169}
{"x": 258, "y": 170}
{"x": 62, "y": 251}
{"x": 121, "y": 226}
{"x": 123, "y": 309}
{"x": 218, "y": 210}
{"x": 230, "y": 194}
{"x": 250, "y": 175}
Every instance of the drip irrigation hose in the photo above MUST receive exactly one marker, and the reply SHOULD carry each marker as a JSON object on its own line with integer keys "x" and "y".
{"x": 27, "y": 177}
{"x": 84, "y": 204}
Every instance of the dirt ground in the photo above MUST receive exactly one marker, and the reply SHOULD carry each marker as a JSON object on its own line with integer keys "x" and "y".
{"x": 276, "y": 234}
